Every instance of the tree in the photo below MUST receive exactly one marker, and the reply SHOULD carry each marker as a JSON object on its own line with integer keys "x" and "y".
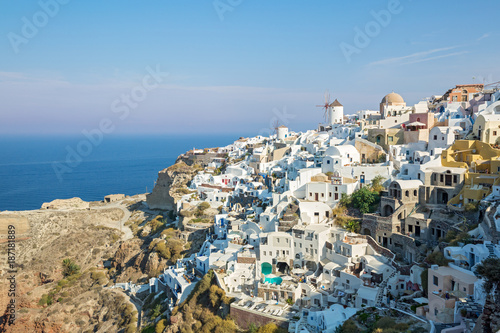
{"x": 377, "y": 184}
{"x": 489, "y": 270}
{"x": 345, "y": 200}
{"x": 424, "y": 276}
{"x": 70, "y": 267}
{"x": 352, "y": 226}
{"x": 363, "y": 199}
{"x": 156, "y": 311}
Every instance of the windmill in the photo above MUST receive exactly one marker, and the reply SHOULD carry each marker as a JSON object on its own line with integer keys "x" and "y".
{"x": 276, "y": 124}
{"x": 326, "y": 106}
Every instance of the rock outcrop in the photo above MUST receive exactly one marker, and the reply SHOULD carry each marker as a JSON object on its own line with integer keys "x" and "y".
{"x": 65, "y": 204}
{"x": 164, "y": 195}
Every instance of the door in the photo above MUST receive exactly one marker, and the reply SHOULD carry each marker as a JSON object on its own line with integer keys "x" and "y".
{"x": 316, "y": 196}
{"x": 417, "y": 231}
{"x": 447, "y": 181}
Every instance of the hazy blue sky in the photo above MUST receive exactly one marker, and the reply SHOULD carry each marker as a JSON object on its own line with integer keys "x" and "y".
{"x": 230, "y": 62}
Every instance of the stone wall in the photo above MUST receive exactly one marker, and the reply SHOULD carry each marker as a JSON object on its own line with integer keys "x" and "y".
{"x": 246, "y": 260}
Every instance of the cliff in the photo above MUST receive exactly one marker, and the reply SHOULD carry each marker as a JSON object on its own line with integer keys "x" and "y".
{"x": 165, "y": 195}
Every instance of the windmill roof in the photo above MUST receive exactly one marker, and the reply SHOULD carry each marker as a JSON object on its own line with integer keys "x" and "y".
{"x": 336, "y": 103}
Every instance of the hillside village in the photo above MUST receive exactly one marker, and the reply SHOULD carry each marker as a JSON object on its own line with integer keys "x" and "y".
{"x": 395, "y": 209}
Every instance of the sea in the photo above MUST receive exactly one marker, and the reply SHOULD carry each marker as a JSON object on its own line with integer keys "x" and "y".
{"x": 38, "y": 169}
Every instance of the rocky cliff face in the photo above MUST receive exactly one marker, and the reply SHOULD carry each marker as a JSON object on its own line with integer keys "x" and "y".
{"x": 164, "y": 195}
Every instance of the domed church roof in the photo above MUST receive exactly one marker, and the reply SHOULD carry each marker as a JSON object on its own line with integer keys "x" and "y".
{"x": 392, "y": 98}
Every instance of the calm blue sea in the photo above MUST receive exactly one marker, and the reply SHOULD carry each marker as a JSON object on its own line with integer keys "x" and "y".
{"x": 36, "y": 169}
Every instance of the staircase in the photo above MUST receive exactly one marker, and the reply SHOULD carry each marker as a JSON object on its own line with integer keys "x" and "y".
{"x": 491, "y": 250}
{"x": 381, "y": 289}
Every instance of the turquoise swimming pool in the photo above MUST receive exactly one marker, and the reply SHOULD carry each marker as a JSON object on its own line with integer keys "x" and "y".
{"x": 275, "y": 280}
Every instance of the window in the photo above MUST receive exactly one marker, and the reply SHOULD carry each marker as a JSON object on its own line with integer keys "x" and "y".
{"x": 310, "y": 194}
{"x": 415, "y": 191}
{"x": 441, "y": 178}
{"x": 277, "y": 240}
{"x": 264, "y": 252}
{"x": 330, "y": 194}
{"x": 494, "y": 132}
{"x": 327, "y": 161}
{"x": 455, "y": 178}
{"x": 390, "y": 138}
{"x": 410, "y": 228}
{"x": 435, "y": 137}
{"x": 435, "y": 280}
{"x": 418, "y": 175}
{"x": 407, "y": 193}
{"x": 322, "y": 195}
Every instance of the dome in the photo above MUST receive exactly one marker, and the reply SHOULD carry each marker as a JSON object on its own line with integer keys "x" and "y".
{"x": 392, "y": 98}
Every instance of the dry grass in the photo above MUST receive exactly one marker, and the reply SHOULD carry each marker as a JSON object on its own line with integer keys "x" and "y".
{"x": 20, "y": 222}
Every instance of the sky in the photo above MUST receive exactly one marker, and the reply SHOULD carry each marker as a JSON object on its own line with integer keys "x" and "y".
{"x": 229, "y": 66}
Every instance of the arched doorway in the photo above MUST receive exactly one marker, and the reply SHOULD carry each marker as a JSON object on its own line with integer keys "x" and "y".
{"x": 283, "y": 267}
{"x": 388, "y": 210}
{"x": 311, "y": 265}
{"x": 367, "y": 232}
{"x": 442, "y": 197}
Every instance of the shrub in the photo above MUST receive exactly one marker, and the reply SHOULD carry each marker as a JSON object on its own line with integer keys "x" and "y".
{"x": 46, "y": 300}
{"x": 385, "y": 322}
{"x": 471, "y": 207}
{"x": 203, "y": 206}
{"x": 437, "y": 258}
{"x": 70, "y": 267}
{"x": 350, "y": 326}
{"x": 160, "y": 326}
{"x": 182, "y": 190}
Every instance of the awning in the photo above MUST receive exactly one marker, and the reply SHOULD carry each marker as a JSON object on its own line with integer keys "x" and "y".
{"x": 416, "y": 123}
{"x": 459, "y": 257}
